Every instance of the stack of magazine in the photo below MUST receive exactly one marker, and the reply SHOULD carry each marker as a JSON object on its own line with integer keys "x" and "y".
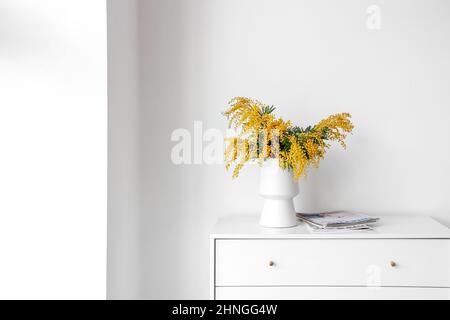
{"x": 337, "y": 221}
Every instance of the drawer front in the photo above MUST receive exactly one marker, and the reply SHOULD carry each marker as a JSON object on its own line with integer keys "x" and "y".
{"x": 343, "y": 262}
{"x": 331, "y": 293}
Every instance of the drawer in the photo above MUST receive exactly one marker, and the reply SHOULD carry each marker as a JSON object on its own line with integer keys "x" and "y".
{"x": 336, "y": 262}
{"x": 331, "y": 293}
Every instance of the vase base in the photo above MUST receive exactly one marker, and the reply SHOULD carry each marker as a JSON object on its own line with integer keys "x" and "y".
{"x": 278, "y": 213}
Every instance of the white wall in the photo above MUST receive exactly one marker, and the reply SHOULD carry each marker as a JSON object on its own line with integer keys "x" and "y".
{"x": 52, "y": 149}
{"x": 310, "y": 58}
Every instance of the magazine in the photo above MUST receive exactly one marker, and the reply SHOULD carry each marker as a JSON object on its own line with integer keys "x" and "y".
{"x": 336, "y": 219}
{"x": 353, "y": 229}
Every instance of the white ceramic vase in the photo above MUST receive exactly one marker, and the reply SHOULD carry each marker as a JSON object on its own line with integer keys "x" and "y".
{"x": 278, "y": 189}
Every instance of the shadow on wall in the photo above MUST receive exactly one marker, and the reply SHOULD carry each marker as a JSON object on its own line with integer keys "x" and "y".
{"x": 165, "y": 189}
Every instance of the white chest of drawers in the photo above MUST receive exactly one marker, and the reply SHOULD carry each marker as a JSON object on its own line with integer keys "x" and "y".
{"x": 405, "y": 257}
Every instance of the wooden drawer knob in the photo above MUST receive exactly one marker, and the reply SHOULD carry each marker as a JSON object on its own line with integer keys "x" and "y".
{"x": 392, "y": 264}
{"x": 271, "y": 263}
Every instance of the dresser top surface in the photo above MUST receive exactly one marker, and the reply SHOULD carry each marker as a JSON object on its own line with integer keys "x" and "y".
{"x": 388, "y": 227}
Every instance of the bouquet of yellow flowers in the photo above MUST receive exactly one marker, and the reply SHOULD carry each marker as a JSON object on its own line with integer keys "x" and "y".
{"x": 261, "y": 135}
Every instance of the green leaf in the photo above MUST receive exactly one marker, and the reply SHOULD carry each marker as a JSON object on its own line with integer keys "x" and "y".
{"x": 267, "y": 109}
